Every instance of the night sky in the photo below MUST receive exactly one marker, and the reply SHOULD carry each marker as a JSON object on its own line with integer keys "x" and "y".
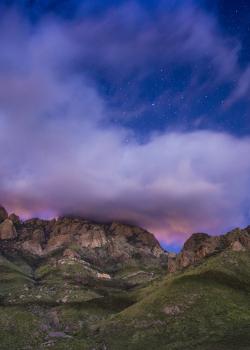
{"x": 136, "y": 111}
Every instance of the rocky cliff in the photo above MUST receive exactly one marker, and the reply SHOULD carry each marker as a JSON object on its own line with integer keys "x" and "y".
{"x": 200, "y": 246}
{"x": 104, "y": 245}
{"x": 108, "y": 246}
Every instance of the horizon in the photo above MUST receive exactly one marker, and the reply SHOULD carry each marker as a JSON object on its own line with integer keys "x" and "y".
{"x": 129, "y": 111}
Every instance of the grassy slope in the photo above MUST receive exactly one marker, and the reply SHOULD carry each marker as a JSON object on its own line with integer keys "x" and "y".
{"x": 207, "y": 307}
{"x": 30, "y": 298}
{"x": 203, "y": 308}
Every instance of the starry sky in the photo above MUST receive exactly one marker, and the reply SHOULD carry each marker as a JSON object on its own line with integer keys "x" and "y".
{"x": 136, "y": 111}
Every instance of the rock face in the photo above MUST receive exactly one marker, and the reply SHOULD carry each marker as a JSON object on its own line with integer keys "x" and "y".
{"x": 110, "y": 245}
{"x": 15, "y": 219}
{"x": 100, "y": 244}
{"x": 3, "y": 214}
{"x": 201, "y": 245}
{"x": 7, "y": 230}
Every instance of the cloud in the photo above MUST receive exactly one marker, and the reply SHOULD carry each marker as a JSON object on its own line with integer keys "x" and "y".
{"x": 172, "y": 185}
{"x": 241, "y": 89}
{"x": 130, "y": 38}
{"x": 59, "y": 152}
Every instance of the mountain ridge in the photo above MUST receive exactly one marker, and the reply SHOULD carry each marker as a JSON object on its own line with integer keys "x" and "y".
{"x": 73, "y": 284}
{"x": 43, "y": 237}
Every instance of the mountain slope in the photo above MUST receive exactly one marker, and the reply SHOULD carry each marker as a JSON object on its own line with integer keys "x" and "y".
{"x": 204, "y": 307}
{"x": 72, "y": 284}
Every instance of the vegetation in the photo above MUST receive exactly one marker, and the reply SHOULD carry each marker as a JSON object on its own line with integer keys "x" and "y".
{"x": 63, "y": 306}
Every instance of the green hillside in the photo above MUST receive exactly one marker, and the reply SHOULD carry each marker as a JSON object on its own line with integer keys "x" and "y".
{"x": 205, "y": 307}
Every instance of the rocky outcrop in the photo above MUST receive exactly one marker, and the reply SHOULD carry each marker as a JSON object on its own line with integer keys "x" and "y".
{"x": 7, "y": 227}
{"x": 110, "y": 245}
{"x": 201, "y": 245}
{"x": 76, "y": 238}
{"x": 237, "y": 247}
{"x": 7, "y": 230}
{"x": 15, "y": 219}
{"x": 57, "y": 242}
{"x": 3, "y": 214}
{"x": 95, "y": 238}
{"x": 32, "y": 247}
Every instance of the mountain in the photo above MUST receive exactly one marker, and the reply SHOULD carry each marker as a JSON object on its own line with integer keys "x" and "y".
{"x": 69, "y": 283}
{"x": 103, "y": 248}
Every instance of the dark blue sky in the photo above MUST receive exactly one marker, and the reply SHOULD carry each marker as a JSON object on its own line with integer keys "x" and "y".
{"x": 127, "y": 110}
{"x": 175, "y": 93}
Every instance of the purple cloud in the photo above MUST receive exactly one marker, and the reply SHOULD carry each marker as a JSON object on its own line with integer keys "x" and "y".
{"x": 60, "y": 154}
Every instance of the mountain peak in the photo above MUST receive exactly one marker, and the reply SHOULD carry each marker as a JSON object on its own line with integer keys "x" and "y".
{"x": 100, "y": 244}
{"x": 202, "y": 245}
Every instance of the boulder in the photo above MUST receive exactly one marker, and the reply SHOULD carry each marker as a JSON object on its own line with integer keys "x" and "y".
{"x": 7, "y": 230}
{"x": 237, "y": 246}
{"x": 3, "y": 214}
{"x": 172, "y": 310}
